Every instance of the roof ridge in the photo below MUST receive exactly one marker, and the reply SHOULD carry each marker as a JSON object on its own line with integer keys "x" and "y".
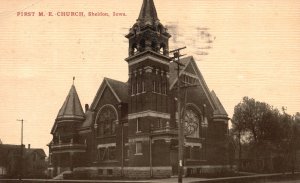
{"x": 106, "y": 78}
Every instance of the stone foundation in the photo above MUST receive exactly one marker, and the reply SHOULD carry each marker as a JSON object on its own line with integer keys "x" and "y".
{"x": 137, "y": 172}
{"x": 130, "y": 172}
{"x": 144, "y": 172}
{"x": 207, "y": 169}
{"x": 161, "y": 172}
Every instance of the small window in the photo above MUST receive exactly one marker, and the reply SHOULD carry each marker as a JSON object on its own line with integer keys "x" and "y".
{"x": 159, "y": 88}
{"x": 113, "y": 127}
{"x": 138, "y": 148}
{"x": 112, "y": 153}
{"x": 159, "y": 123}
{"x": 100, "y": 171}
{"x": 188, "y": 152}
{"x": 143, "y": 87}
{"x": 154, "y": 86}
{"x": 109, "y": 171}
{"x": 165, "y": 88}
{"x": 138, "y": 125}
{"x": 50, "y": 159}
{"x": 102, "y": 154}
{"x": 132, "y": 89}
{"x": 105, "y": 154}
{"x": 137, "y": 87}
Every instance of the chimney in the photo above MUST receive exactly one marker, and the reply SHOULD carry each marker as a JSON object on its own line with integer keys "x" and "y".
{"x": 86, "y": 107}
{"x": 28, "y": 146}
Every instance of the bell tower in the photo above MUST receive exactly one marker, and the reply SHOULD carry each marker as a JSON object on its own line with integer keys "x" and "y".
{"x": 148, "y": 86}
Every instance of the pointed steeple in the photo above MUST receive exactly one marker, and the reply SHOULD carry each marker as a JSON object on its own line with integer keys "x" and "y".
{"x": 148, "y": 34}
{"x": 72, "y": 107}
{"x": 148, "y": 14}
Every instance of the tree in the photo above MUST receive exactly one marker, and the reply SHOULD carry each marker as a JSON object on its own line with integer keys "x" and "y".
{"x": 258, "y": 123}
{"x": 290, "y": 143}
{"x": 238, "y": 129}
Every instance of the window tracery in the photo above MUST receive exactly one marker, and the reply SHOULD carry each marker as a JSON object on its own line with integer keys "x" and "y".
{"x": 192, "y": 123}
{"x": 107, "y": 119}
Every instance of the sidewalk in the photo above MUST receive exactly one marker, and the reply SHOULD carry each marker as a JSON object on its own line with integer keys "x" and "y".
{"x": 168, "y": 180}
{"x": 175, "y": 180}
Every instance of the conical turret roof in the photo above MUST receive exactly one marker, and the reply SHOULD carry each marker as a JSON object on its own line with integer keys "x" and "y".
{"x": 72, "y": 107}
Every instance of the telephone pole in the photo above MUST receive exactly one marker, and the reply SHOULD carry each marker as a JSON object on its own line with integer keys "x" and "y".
{"x": 176, "y": 59}
{"x": 21, "y": 152}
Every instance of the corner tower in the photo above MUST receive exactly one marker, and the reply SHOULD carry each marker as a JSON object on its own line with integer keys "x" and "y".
{"x": 148, "y": 62}
{"x": 66, "y": 147}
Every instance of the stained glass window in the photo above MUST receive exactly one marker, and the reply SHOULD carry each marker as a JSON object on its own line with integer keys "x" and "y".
{"x": 107, "y": 121}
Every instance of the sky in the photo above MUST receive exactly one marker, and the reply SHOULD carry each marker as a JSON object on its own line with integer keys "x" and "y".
{"x": 254, "y": 52}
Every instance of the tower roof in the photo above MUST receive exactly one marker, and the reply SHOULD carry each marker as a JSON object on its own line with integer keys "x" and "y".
{"x": 148, "y": 14}
{"x": 72, "y": 107}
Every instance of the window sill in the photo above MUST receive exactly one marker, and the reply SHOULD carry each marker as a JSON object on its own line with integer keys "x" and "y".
{"x": 106, "y": 136}
{"x": 108, "y": 161}
{"x": 198, "y": 160}
{"x": 159, "y": 93}
{"x": 138, "y": 154}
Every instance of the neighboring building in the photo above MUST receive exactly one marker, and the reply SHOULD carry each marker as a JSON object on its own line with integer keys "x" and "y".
{"x": 130, "y": 129}
{"x": 34, "y": 159}
{"x": 9, "y": 156}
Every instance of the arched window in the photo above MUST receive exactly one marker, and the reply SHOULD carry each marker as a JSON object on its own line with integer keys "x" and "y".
{"x": 160, "y": 29}
{"x": 133, "y": 50}
{"x": 106, "y": 120}
{"x": 192, "y": 122}
{"x": 153, "y": 45}
{"x": 142, "y": 45}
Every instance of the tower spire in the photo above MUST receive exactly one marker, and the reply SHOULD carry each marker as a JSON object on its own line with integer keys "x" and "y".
{"x": 148, "y": 34}
{"x": 148, "y": 14}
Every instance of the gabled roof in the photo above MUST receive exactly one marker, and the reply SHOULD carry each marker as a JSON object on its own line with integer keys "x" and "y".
{"x": 173, "y": 69}
{"x": 40, "y": 152}
{"x": 220, "y": 109}
{"x": 9, "y": 146}
{"x": 187, "y": 62}
{"x": 72, "y": 107}
{"x": 118, "y": 88}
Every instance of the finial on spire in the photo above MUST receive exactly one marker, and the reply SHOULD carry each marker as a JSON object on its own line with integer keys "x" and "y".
{"x": 73, "y": 79}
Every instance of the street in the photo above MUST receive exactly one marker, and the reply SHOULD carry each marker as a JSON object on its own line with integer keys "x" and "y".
{"x": 286, "y": 181}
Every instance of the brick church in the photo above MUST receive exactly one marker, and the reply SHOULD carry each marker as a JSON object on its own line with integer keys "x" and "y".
{"x": 131, "y": 129}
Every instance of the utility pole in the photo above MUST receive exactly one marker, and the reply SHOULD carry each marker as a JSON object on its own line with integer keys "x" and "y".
{"x": 176, "y": 59}
{"x": 21, "y": 153}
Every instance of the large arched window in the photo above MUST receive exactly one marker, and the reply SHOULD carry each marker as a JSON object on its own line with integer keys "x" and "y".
{"x": 106, "y": 120}
{"x": 192, "y": 122}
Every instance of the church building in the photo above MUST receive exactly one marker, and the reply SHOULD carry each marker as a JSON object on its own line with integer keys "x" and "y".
{"x": 131, "y": 128}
